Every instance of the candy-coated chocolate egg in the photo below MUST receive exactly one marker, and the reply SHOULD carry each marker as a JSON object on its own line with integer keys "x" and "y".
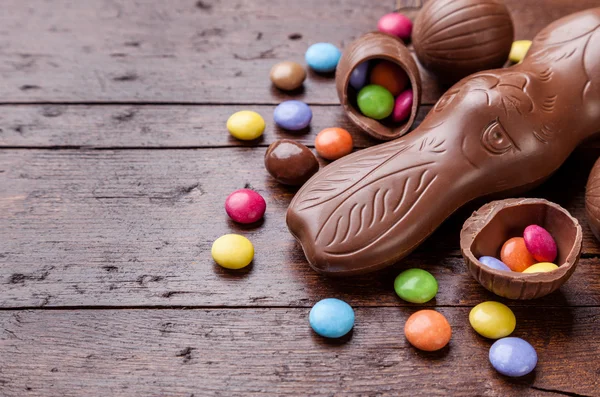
{"x": 390, "y": 76}
{"x": 518, "y": 50}
{"x": 513, "y": 357}
{"x": 331, "y": 318}
{"x": 494, "y": 263}
{"x": 515, "y": 255}
{"x": 492, "y": 320}
{"x": 333, "y": 143}
{"x": 395, "y": 24}
{"x": 246, "y": 125}
{"x": 245, "y": 206}
{"x": 540, "y": 243}
{"x": 287, "y": 75}
{"x": 403, "y": 106}
{"x": 292, "y": 115}
{"x": 542, "y": 267}
{"x": 375, "y": 102}
{"x": 232, "y": 251}
{"x": 359, "y": 75}
{"x": 290, "y": 162}
{"x": 323, "y": 57}
{"x": 427, "y": 330}
{"x": 416, "y": 286}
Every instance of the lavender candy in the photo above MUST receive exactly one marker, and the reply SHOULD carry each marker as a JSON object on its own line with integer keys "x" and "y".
{"x": 292, "y": 115}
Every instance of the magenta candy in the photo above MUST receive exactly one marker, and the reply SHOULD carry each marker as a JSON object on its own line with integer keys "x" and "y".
{"x": 540, "y": 243}
{"x": 395, "y": 24}
{"x": 245, "y": 206}
{"x": 403, "y": 106}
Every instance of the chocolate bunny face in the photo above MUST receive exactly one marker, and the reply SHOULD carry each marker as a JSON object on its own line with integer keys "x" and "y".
{"x": 493, "y": 132}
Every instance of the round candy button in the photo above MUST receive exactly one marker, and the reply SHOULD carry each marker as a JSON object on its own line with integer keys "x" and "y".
{"x": 331, "y": 318}
{"x": 323, "y": 57}
{"x": 513, "y": 356}
{"x": 427, "y": 330}
{"x": 333, "y": 143}
{"x": 539, "y": 243}
{"x": 395, "y": 24}
{"x": 292, "y": 115}
{"x": 416, "y": 286}
{"x": 232, "y": 251}
{"x": 390, "y": 76}
{"x": 246, "y": 125}
{"x": 515, "y": 255}
{"x": 494, "y": 263}
{"x": 542, "y": 267}
{"x": 358, "y": 77}
{"x": 287, "y": 75}
{"x": 492, "y": 320}
{"x": 403, "y": 106}
{"x": 375, "y": 102}
{"x": 245, "y": 206}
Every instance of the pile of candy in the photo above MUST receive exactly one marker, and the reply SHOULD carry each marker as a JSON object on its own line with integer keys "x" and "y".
{"x": 532, "y": 253}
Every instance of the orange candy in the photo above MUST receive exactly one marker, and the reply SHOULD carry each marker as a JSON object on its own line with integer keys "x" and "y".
{"x": 390, "y": 76}
{"x": 428, "y": 330}
{"x": 333, "y": 143}
{"x": 515, "y": 255}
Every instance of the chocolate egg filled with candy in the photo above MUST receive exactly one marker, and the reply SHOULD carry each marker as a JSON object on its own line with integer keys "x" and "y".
{"x": 455, "y": 39}
{"x": 498, "y": 131}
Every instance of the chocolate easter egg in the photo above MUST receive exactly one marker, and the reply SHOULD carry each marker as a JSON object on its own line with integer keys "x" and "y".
{"x": 592, "y": 200}
{"x": 458, "y": 38}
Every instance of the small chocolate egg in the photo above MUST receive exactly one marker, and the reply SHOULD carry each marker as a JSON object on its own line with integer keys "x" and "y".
{"x": 287, "y": 75}
{"x": 290, "y": 162}
{"x": 458, "y": 38}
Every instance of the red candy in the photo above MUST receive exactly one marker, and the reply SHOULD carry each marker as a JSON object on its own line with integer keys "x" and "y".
{"x": 515, "y": 255}
{"x": 403, "y": 106}
{"x": 540, "y": 243}
{"x": 245, "y": 206}
{"x": 395, "y": 24}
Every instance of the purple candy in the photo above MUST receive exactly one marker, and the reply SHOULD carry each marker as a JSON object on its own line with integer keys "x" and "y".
{"x": 292, "y": 115}
{"x": 358, "y": 77}
{"x": 513, "y": 356}
{"x": 494, "y": 263}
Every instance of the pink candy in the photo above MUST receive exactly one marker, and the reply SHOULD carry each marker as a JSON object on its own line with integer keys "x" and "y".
{"x": 403, "y": 106}
{"x": 245, "y": 206}
{"x": 395, "y": 24}
{"x": 540, "y": 243}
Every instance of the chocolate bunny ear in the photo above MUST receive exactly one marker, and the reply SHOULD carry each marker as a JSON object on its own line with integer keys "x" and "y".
{"x": 376, "y": 45}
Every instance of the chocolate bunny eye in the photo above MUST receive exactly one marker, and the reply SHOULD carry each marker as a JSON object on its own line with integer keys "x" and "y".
{"x": 495, "y": 139}
{"x": 445, "y": 100}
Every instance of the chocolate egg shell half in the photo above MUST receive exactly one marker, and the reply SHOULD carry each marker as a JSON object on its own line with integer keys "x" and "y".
{"x": 592, "y": 200}
{"x": 489, "y": 227}
{"x": 377, "y": 45}
{"x": 458, "y": 38}
{"x": 290, "y": 162}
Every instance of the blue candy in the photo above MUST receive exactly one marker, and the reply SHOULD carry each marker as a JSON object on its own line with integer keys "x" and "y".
{"x": 358, "y": 77}
{"x": 323, "y": 57}
{"x": 331, "y": 318}
{"x": 494, "y": 263}
{"x": 513, "y": 356}
{"x": 292, "y": 115}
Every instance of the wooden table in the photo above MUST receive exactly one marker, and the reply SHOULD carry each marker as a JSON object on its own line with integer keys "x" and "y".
{"x": 114, "y": 166}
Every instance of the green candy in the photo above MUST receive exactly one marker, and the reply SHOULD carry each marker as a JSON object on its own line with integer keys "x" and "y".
{"x": 416, "y": 286}
{"x": 375, "y": 102}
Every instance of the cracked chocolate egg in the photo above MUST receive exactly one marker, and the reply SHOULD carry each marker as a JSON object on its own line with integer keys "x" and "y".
{"x": 592, "y": 200}
{"x": 489, "y": 227}
{"x": 458, "y": 38}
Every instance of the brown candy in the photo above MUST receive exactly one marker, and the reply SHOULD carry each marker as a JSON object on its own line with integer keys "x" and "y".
{"x": 499, "y": 131}
{"x": 287, "y": 75}
{"x": 592, "y": 200}
{"x": 290, "y": 162}
{"x": 455, "y": 39}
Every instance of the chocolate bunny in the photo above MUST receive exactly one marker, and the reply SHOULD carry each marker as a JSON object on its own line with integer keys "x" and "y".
{"x": 498, "y": 131}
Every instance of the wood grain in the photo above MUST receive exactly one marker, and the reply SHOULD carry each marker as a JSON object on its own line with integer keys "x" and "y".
{"x": 274, "y": 352}
{"x": 186, "y": 51}
{"x": 135, "y": 227}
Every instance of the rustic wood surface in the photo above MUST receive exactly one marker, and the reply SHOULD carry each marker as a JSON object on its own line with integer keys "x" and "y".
{"x": 114, "y": 165}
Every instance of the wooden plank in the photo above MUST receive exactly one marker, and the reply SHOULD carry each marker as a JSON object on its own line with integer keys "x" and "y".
{"x": 135, "y": 227}
{"x": 187, "y": 51}
{"x": 274, "y": 352}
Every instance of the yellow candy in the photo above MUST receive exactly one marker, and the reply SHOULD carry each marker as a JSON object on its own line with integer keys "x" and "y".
{"x": 232, "y": 251}
{"x": 492, "y": 320}
{"x": 246, "y": 125}
{"x": 519, "y": 50}
{"x": 541, "y": 267}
